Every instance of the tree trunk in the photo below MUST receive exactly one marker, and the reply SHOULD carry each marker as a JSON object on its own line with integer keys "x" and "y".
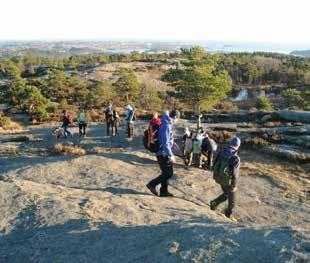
{"x": 199, "y": 115}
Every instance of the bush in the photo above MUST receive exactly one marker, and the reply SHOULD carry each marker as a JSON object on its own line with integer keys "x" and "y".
{"x": 263, "y": 103}
{"x": 255, "y": 142}
{"x": 4, "y": 121}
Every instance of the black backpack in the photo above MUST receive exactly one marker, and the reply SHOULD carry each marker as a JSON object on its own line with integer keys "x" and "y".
{"x": 150, "y": 139}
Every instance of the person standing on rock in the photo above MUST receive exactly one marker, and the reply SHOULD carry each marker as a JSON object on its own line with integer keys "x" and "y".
{"x": 82, "y": 120}
{"x": 226, "y": 173}
{"x": 129, "y": 118}
{"x": 209, "y": 148}
{"x": 108, "y": 112}
{"x": 115, "y": 123}
{"x": 165, "y": 156}
{"x": 66, "y": 121}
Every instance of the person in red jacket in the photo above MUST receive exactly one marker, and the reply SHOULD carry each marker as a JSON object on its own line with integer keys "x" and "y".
{"x": 155, "y": 120}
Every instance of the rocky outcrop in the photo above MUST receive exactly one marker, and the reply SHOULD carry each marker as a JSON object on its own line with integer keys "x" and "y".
{"x": 294, "y": 116}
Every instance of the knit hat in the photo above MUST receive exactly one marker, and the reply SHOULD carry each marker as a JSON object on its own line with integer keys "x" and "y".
{"x": 174, "y": 114}
{"x": 235, "y": 142}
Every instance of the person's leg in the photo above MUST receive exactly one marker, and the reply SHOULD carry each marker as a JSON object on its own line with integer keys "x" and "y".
{"x": 166, "y": 168}
{"x": 167, "y": 173}
{"x": 190, "y": 159}
{"x": 80, "y": 128}
{"x": 220, "y": 199}
{"x": 131, "y": 130}
{"x": 231, "y": 202}
{"x": 116, "y": 128}
{"x": 209, "y": 159}
{"x": 69, "y": 132}
{"x": 84, "y": 128}
{"x": 65, "y": 131}
{"x": 128, "y": 129}
{"x": 108, "y": 128}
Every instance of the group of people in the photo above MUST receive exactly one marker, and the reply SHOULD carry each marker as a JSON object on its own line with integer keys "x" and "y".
{"x": 225, "y": 167}
{"x": 224, "y": 162}
{"x": 198, "y": 149}
{"x": 112, "y": 120}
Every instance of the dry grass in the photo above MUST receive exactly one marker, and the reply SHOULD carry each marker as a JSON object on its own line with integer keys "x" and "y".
{"x": 8, "y": 149}
{"x": 7, "y": 126}
{"x": 61, "y": 149}
{"x": 293, "y": 179}
{"x": 98, "y": 150}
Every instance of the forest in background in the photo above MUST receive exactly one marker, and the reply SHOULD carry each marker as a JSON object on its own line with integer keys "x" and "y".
{"x": 41, "y": 85}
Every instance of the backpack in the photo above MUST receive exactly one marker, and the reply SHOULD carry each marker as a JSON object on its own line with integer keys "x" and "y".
{"x": 221, "y": 172}
{"x": 150, "y": 139}
{"x": 70, "y": 119}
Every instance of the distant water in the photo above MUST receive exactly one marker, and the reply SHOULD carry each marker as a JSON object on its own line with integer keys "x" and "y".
{"x": 286, "y": 48}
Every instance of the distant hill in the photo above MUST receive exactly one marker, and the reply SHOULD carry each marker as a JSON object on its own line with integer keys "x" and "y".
{"x": 302, "y": 53}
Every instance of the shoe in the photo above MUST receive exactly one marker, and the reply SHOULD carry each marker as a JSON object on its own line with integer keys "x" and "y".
{"x": 152, "y": 189}
{"x": 228, "y": 213}
{"x": 167, "y": 194}
{"x": 213, "y": 205}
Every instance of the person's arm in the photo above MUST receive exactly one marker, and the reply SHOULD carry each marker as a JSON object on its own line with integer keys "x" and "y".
{"x": 235, "y": 170}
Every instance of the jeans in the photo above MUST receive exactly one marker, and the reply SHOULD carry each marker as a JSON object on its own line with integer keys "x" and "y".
{"x": 166, "y": 167}
{"x": 114, "y": 128}
{"x": 130, "y": 129}
{"x": 227, "y": 194}
{"x": 82, "y": 128}
{"x": 66, "y": 131}
{"x": 197, "y": 159}
{"x": 108, "y": 127}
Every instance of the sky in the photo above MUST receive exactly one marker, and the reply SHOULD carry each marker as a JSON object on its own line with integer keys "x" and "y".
{"x": 283, "y": 21}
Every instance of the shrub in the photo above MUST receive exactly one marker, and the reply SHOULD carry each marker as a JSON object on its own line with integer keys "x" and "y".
{"x": 263, "y": 103}
{"x": 4, "y": 121}
{"x": 61, "y": 149}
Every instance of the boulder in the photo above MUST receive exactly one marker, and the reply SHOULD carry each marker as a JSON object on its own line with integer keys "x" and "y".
{"x": 266, "y": 118}
{"x": 294, "y": 116}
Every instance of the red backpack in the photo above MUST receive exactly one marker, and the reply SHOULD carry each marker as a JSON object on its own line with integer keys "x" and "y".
{"x": 70, "y": 119}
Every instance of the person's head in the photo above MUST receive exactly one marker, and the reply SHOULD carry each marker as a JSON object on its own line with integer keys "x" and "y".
{"x": 128, "y": 107}
{"x": 235, "y": 143}
{"x": 64, "y": 112}
{"x": 155, "y": 115}
{"x": 174, "y": 115}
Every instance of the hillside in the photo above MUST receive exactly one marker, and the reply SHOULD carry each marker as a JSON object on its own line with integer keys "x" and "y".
{"x": 95, "y": 208}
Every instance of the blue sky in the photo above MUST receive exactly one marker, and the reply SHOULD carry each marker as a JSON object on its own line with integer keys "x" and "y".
{"x": 237, "y": 20}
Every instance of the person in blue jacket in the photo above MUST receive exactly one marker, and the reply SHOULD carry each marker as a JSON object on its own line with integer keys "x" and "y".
{"x": 165, "y": 156}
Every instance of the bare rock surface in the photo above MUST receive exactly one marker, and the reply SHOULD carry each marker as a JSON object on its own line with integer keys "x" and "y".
{"x": 96, "y": 208}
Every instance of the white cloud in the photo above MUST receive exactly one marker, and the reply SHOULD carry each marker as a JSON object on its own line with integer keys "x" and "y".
{"x": 252, "y": 20}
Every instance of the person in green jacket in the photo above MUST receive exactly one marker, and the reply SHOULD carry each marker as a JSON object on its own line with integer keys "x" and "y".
{"x": 197, "y": 152}
{"x": 82, "y": 120}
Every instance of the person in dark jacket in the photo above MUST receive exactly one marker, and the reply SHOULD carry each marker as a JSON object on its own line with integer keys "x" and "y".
{"x": 115, "y": 123}
{"x": 229, "y": 191}
{"x": 108, "y": 112}
{"x": 208, "y": 149}
{"x": 65, "y": 124}
{"x": 165, "y": 156}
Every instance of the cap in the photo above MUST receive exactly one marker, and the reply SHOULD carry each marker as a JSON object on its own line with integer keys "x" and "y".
{"x": 235, "y": 142}
{"x": 174, "y": 114}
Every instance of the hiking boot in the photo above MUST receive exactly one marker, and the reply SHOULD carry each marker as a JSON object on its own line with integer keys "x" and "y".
{"x": 213, "y": 205}
{"x": 167, "y": 194}
{"x": 228, "y": 213}
{"x": 152, "y": 189}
